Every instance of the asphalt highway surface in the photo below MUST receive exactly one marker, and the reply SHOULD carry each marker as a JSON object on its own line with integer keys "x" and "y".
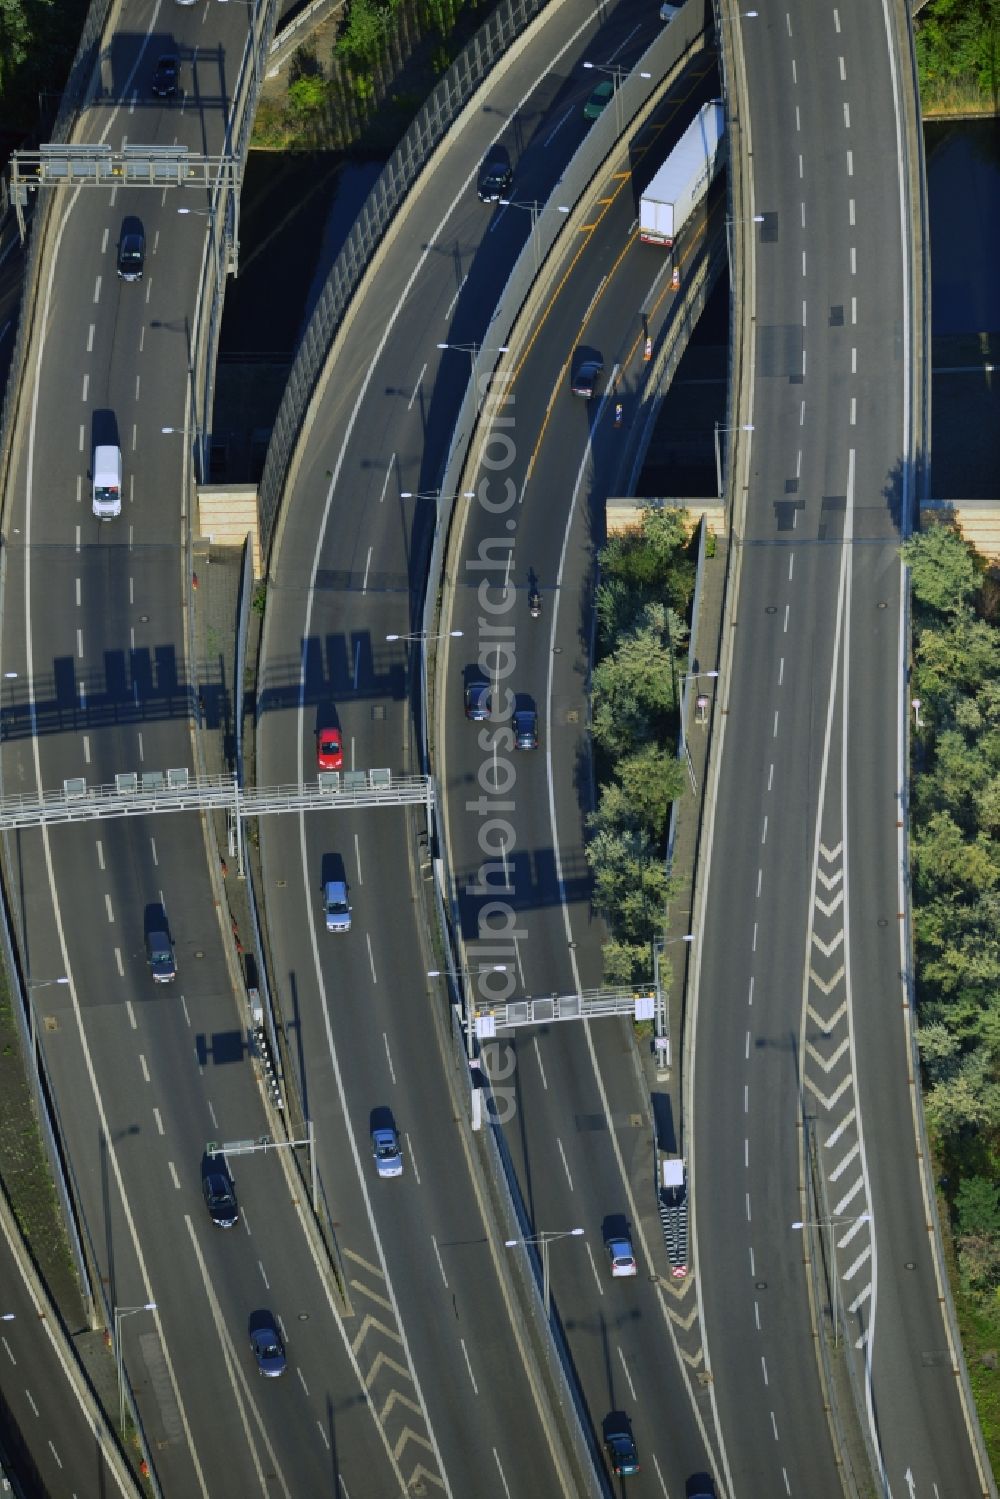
{"x": 802, "y": 1101}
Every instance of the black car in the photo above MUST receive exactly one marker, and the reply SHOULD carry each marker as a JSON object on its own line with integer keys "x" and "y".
{"x": 164, "y": 83}
{"x": 268, "y": 1349}
{"x": 526, "y": 729}
{"x": 586, "y": 371}
{"x": 220, "y": 1197}
{"x": 477, "y": 701}
{"x": 160, "y": 956}
{"x": 619, "y": 1444}
{"x": 131, "y": 250}
{"x": 495, "y": 175}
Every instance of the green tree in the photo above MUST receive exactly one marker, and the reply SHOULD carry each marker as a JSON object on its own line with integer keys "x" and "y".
{"x": 307, "y": 96}
{"x": 651, "y": 779}
{"x": 965, "y": 1103}
{"x": 15, "y": 39}
{"x": 977, "y": 1206}
{"x": 634, "y": 688}
{"x": 626, "y": 962}
{"x": 364, "y": 33}
{"x": 943, "y": 569}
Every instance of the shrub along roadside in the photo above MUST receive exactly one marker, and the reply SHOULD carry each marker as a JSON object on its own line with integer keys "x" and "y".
{"x": 954, "y": 828}
{"x": 958, "y": 56}
{"x": 642, "y": 602}
{"x": 363, "y": 92}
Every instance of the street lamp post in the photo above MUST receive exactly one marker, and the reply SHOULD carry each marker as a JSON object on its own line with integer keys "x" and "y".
{"x": 191, "y": 432}
{"x": 425, "y": 635}
{"x": 543, "y": 1240}
{"x": 460, "y": 975}
{"x": 758, "y": 218}
{"x": 474, "y": 351}
{"x": 719, "y": 429}
{"x": 618, "y": 73}
{"x": 831, "y": 1224}
{"x": 32, "y": 985}
{"x": 533, "y": 209}
{"x": 121, "y": 1312}
{"x": 661, "y": 1034}
{"x": 435, "y": 494}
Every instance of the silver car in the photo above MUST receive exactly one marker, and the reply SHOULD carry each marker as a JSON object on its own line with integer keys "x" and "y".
{"x": 336, "y": 907}
{"x": 385, "y": 1148}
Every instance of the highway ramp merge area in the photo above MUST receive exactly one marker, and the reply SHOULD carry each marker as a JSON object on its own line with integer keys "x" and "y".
{"x": 684, "y": 178}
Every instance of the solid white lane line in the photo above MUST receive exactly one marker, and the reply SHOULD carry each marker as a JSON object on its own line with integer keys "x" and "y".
{"x": 437, "y": 1256}
{"x": 593, "y": 1266}
{"x": 468, "y": 1365}
{"x": 503, "y": 1476}
{"x": 628, "y": 1376}
{"x": 368, "y": 565}
{"x": 357, "y": 854}
{"x": 541, "y": 1069}
{"x": 416, "y": 388}
{"x": 388, "y": 476}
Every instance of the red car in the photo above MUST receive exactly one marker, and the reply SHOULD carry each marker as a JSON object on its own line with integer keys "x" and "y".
{"x": 329, "y": 750}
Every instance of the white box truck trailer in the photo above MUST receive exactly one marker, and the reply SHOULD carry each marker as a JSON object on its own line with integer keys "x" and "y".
{"x": 683, "y": 179}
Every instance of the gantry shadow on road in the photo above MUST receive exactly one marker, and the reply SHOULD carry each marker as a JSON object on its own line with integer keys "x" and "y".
{"x": 533, "y": 882}
{"x": 149, "y": 684}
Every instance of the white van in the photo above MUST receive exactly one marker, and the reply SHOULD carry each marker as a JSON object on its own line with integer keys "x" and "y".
{"x": 107, "y": 482}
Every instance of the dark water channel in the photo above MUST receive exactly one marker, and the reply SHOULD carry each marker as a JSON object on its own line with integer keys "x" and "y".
{"x": 297, "y": 211}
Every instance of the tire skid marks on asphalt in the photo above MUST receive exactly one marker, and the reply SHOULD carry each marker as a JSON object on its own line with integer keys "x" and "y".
{"x": 380, "y": 1350}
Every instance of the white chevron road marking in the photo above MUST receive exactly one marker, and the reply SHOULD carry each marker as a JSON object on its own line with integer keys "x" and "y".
{"x": 828, "y": 985}
{"x": 829, "y": 854}
{"x": 826, "y": 948}
{"x": 828, "y": 1063}
{"x": 828, "y": 1103}
{"x": 829, "y": 880}
{"x": 827, "y": 1024}
{"x": 828, "y": 910}
{"x": 367, "y": 1326}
